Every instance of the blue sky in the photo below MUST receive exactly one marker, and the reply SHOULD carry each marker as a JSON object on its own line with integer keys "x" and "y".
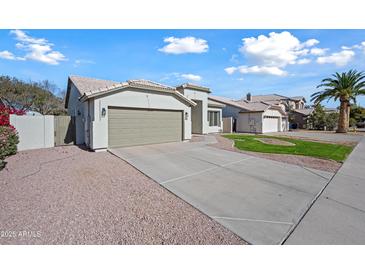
{"x": 230, "y": 62}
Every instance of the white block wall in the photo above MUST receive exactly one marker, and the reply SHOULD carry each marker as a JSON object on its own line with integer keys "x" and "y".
{"x": 34, "y": 131}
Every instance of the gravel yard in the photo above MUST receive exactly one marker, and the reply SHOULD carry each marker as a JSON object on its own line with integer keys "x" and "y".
{"x": 66, "y": 195}
{"x": 305, "y": 161}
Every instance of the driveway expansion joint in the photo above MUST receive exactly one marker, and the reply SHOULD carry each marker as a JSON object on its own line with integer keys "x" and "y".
{"x": 252, "y": 220}
{"x": 204, "y": 171}
{"x": 315, "y": 173}
{"x": 344, "y": 204}
{"x": 290, "y": 232}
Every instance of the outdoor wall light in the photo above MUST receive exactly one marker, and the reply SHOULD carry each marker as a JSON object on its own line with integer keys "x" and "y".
{"x": 103, "y": 112}
{"x": 186, "y": 115}
{"x": 78, "y": 113}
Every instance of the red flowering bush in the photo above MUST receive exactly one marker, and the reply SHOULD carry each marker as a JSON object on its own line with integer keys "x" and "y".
{"x": 8, "y": 135}
{"x": 8, "y": 141}
{"x": 5, "y": 114}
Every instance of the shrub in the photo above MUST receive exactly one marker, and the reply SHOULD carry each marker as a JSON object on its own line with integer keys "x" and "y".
{"x": 8, "y": 143}
{"x": 5, "y": 114}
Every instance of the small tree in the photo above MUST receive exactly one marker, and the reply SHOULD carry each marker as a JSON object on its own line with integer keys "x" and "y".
{"x": 317, "y": 119}
{"x": 331, "y": 120}
{"x": 357, "y": 115}
{"x": 37, "y": 96}
{"x": 321, "y": 120}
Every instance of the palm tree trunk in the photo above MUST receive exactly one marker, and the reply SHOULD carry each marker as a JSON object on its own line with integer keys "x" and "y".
{"x": 343, "y": 120}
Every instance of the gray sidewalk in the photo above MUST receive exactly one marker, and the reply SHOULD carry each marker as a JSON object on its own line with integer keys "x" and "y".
{"x": 338, "y": 216}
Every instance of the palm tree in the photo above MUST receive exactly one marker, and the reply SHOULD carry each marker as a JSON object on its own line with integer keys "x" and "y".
{"x": 344, "y": 87}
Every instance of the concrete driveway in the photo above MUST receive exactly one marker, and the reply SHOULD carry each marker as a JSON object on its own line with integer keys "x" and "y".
{"x": 258, "y": 199}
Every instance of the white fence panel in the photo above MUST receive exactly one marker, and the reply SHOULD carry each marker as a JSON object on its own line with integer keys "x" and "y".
{"x": 34, "y": 131}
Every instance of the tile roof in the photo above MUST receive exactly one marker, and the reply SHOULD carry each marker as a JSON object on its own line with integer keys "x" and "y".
{"x": 226, "y": 101}
{"x": 254, "y": 106}
{"x": 296, "y": 98}
{"x": 268, "y": 97}
{"x": 304, "y": 111}
{"x": 242, "y": 104}
{"x": 246, "y": 106}
{"x": 90, "y": 87}
{"x": 86, "y": 84}
{"x": 215, "y": 104}
{"x": 148, "y": 83}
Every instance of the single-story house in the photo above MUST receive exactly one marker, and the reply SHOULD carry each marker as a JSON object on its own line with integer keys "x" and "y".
{"x": 111, "y": 114}
{"x": 253, "y": 116}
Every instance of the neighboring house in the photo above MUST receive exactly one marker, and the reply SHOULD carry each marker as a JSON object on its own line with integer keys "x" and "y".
{"x": 33, "y": 113}
{"x": 299, "y": 117}
{"x": 331, "y": 110}
{"x": 287, "y": 103}
{"x": 261, "y": 113}
{"x": 254, "y": 116}
{"x": 4, "y": 103}
{"x": 137, "y": 112}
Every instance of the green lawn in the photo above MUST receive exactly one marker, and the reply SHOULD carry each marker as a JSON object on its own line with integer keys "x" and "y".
{"x": 315, "y": 149}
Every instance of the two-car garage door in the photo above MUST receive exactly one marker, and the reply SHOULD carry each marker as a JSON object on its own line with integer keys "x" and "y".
{"x": 131, "y": 127}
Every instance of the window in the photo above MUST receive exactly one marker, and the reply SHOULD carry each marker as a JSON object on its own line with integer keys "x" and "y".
{"x": 213, "y": 118}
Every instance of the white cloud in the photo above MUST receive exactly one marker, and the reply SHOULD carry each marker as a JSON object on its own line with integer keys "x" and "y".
{"x": 191, "y": 77}
{"x": 310, "y": 43}
{"x": 318, "y": 51}
{"x": 271, "y": 54}
{"x": 276, "y": 49}
{"x": 173, "y": 76}
{"x": 270, "y": 70}
{"x": 7, "y": 55}
{"x": 79, "y": 62}
{"x": 338, "y": 58}
{"x": 184, "y": 45}
{"x": 37, "y": 49}
{"x": 303, "y": 61}
{"x": 353, "y": 47}
{"x": 23, "y": 37}
{"x": 262, "y": 70}
{"x": 230, "y": 70}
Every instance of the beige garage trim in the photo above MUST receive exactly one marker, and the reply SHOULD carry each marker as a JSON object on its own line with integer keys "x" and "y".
{"x": 132, "y": 127}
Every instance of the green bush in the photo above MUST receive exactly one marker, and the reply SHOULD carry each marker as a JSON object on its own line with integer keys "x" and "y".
{"x": 8, "y": 143}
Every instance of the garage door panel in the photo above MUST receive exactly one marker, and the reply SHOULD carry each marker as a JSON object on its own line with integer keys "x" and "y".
{"x": 271, "y": 124}
{"x": 129, "y": 127}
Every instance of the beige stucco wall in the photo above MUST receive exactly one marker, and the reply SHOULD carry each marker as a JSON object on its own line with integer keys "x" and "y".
{"x": 134, "y": 99}
{"x": 249, "y": 122}
{"x": 203, "y": 96}
{"x": 75, "y": 107}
